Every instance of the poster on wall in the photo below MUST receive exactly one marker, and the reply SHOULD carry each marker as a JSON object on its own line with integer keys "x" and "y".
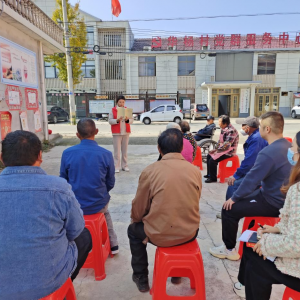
{"x": 101, "y": 106}
{"x": 186, "y": 104}
{"x": 13, "y": 97}
{"x": 5, "y": 123}
{"x": 24, "y": 120}
{"x": 37, "y": 121}
{"x": 31, "y": 96}
{"x": 18, "y": 64}
{"x": 244, "y": 101}
{"x": 204, "y": 96}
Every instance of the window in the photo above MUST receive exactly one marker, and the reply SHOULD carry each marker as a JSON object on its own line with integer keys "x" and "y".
{"x": 50, "y": 72}
{"x": 112, "y": 40}
{"x": 90, "y": 36}
{"x": 88, "y": 69}
{"x": 266, "y": 64}
{"x": 147, "y": 66}
{"x": 113, "y": 69}
{"x": 159, "y": 109}
{"x": 170, "y": 108}
{"x": 202, "y": 107}
{"x": 186, "y": 65}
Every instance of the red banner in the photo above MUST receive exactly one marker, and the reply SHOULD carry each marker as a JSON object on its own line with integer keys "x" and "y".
{"x": 31, "y": 97}
{"x": 5, "y": 123}
{"x": 13, "y": 97}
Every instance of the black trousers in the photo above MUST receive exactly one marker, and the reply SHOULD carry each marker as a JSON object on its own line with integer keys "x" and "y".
{"x": 212, "y": 165}
{"x": 245, "y": 208}
{"x": 258, "y": 275}
{"x": 139, "y": 259}
{"x": 84, "y": 246}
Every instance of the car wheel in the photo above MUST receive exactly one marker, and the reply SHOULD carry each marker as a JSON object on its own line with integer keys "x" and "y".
{"x": 67, "y": 118}
{"x": 147, "y": 121}
{"x": 54, "y": 119}
{"x": 194, "y": 118}
{"x": 294, "y": 116}
{"x": 177, "y": 120}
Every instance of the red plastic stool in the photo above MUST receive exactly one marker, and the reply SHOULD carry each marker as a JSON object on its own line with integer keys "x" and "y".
{"x": 97, "y": 226}
{"x": 290, "y": 294}
{"x": 262, "y": 220}
{"x": 224, "y": 171}
{"x": 66, "y": 291}
{"x": 198, "y": 159}
{"x": 179, "y": 261}
{"x": 289, "y": 139}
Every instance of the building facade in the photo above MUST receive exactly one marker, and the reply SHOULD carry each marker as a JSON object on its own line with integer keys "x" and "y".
{"x": 26, "y": 35}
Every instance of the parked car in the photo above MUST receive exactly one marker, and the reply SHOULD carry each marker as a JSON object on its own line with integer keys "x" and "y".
{"x": 56, "y": 114}
{"x": 198, "y": 111}
{"x": 296, "y": 111}
{"x": 162, "y": 113}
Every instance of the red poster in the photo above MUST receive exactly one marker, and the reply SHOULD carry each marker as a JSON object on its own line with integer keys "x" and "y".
{"x": 5, "y": 123}
{"x": 31, "y": 96}
{"x": 13, "y": 97}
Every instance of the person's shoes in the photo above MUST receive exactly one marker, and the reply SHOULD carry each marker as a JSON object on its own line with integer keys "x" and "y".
{"x": 126, "y": 169}
{"x": 114, "y": 250}
{"x": 141, "y": 282}
{"x": 219, "y": 216}
{"x": 239, "y": 289}
{"x": 117, "y": 171}
{"x": 222, "y": 252}
{"x": 206, "y": 176}
{"x": 209, "y": 180}
{"x": 176, "y": 280}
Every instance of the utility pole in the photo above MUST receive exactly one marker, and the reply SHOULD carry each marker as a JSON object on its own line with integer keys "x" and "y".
{"x": 69, "y": 65}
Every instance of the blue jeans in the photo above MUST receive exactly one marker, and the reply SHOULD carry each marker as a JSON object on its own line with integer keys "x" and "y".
{"x": 232, "y": 188}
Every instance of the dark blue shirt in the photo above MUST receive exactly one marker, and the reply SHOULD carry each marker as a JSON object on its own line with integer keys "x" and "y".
{"x": 207, "y": 129}
{"x": 272, "y": 170}
{"x": 252, "y": 147}
{"x": 90, "y": 171}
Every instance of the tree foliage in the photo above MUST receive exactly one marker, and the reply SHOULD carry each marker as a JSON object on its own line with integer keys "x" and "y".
{"x": 78, "y": 41}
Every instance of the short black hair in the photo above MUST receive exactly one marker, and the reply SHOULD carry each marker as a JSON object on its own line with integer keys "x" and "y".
{"x": 225, "y": 119}
{"x": 185, "y": 126}
{"x": 276, "y": 121}
{"x": 20, "y": 148}
{"x": 120, "y": 97}
{"x": 86, "y": 128}
{"x": 171, "y": 141}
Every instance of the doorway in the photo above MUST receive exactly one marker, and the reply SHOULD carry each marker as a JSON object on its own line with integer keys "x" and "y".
{"x": 224, "y": 105}
{"x": 229, "y": 105}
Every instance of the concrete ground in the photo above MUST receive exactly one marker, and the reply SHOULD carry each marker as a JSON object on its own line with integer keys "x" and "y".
{"x": 219, "y": 274}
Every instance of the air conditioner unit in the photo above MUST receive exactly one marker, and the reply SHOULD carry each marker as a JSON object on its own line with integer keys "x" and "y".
{"x": 206, "y": 47}
{"x": 147, "y": 48}
{"x": 172, "y": 48}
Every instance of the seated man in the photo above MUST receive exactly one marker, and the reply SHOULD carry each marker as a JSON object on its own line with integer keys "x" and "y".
{"x": 253, "y": 145}
{"x": 90, "y": 170}
{"x": 43, "y": 239}
{"x": 226, "y": 147}
{"x": 271, "y": 170}
{"x": 165, "y": 210}
{"x": 206, "y": 132}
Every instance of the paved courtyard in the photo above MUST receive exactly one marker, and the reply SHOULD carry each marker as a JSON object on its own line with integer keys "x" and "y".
{"x": 219, "y": 274}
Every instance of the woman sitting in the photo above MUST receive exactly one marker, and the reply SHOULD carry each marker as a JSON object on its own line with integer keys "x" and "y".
{"x": 257, "y": 271}
{"x": 185, "y": 128}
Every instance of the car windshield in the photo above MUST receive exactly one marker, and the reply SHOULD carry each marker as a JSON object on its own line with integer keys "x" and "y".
{"x": 201, "y": 107}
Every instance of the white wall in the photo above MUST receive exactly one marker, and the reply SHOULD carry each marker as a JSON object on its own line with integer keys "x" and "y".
{"x": 166, "y": 73}
{"x": 205, "y": 69}
{"x": 132, "y": 74}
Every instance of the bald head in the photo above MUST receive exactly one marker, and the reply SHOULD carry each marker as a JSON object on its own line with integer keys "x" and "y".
{"x": 86, "y": 129}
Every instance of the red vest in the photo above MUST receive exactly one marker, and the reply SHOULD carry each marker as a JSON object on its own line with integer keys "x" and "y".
{"x": 117, "y": 127}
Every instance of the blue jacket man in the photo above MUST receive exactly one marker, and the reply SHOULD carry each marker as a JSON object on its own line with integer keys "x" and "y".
{"x": 90, "y": 170}
{"x": 253, "y": 145}
{"x": 206, "y": 132}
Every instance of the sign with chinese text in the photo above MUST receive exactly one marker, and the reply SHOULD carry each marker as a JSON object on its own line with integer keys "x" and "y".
{"x": 37, "y": 121}
{"x": 13, "y": 97}
{"x": 5, "y": 123}
{"x": 101, "y": 106}
{"x": 24, "y": 120}
{"x": 101, "y": 97}
{"x": 244, "y": 101}
{"x": 205, "y": 97}
{"x": 132, "y": 97}
{"x": 18, "y": 65}
{"x": 31, "y": 96}
{"x": 165, "y": 96}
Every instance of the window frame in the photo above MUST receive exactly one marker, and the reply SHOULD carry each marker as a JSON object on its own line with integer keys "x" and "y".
{"x": 116, "y": 69}
{"x": 145, "y": 64}
{"x": 153, "y": 111}
{"x": 112, "y": 40}
{"x": 181, "y": 61}
{"x": 87, "y": 67}
{"x": 48, "y": 65}
{"x": 260, "y": 68}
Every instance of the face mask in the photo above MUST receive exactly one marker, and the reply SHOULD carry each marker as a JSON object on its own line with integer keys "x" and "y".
{"x": 290, "y": 155}
{"x": 243, "y": 132}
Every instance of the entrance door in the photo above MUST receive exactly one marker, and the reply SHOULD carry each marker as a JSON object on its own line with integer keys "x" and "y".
{"x": 234, "y": 106}
{"x": 223, "y": 105}
{"x": 275, "y": 103}
{"x": 214, "y": 106}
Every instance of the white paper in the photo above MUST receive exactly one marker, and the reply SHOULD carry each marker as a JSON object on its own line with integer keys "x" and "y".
{"x": 32, "y": 98}
{"x": 186, "y": 104}
{"x": 14, "y": 98}
{"x": 37, "y": 121}
{"x": 24, "y": 120}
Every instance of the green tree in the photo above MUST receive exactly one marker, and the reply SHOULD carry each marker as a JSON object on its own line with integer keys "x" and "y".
{"x": 78, "y": 41}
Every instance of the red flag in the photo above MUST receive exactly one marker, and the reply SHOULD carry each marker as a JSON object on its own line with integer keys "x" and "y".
{"x": 115, "y": 7}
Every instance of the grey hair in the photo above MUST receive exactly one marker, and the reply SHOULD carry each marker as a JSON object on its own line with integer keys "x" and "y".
{"x": 173, "y": 125}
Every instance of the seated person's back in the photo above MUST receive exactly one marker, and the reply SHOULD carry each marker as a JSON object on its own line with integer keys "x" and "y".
{"x": 39, "y": 220}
